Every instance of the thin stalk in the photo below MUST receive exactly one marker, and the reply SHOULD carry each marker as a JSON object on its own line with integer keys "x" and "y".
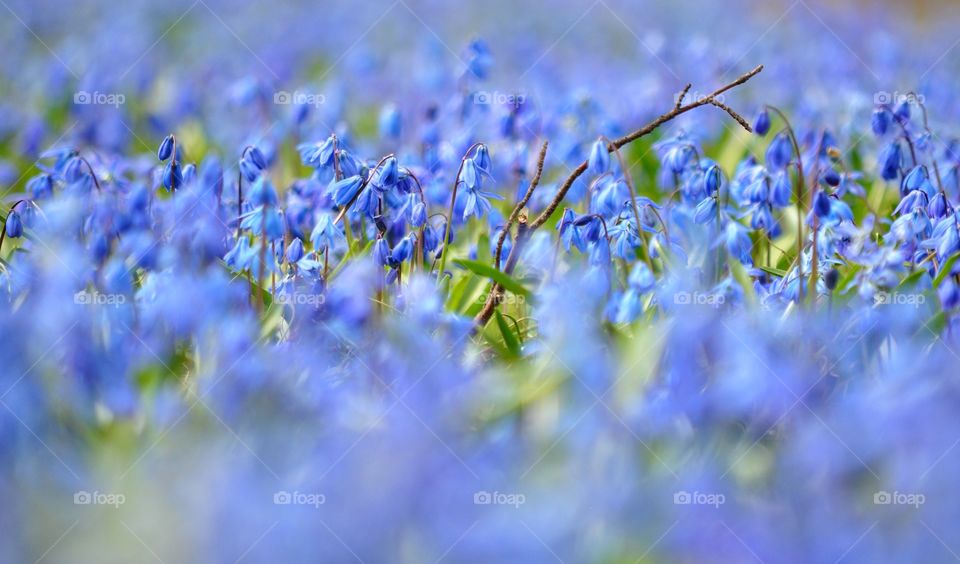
{"x": 801, "y": 186}
{"x": 453, "y": 201}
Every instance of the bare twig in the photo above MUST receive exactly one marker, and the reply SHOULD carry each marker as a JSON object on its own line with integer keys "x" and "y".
{"x": 681, "y": 96}
{"x": 743, "y": 123}
{"x": 801, "y": 190}
{"x": 515, "y": 214}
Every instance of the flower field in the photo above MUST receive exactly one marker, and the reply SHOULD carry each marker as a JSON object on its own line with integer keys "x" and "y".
{"x": 412, "y": 281}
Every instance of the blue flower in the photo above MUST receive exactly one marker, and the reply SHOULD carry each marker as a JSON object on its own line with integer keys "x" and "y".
{"x": 569, "y": 232}
{"x": 706, "y": 210}
{"x": 481, "y": 156}
{"x": 761, "y": 126}
{"x": 469, "y": 175}
{"x": 949, "y": 243}
{"x": 915, "y": 178}
{"x": 74, "y": 169}
{"x": 234, "y": 257}
{"x": 255, "y": 156}
{"x": 172, "y": 175}
{"x": 418, "y": 214}
{"x": 840, "y": 211}
{"x": 478, "y": 203}
{"x": 344, "y": 191}
{"x": 381, "y": 252}
{"x": 889, "y": 160}
{"x": 780, "y": 152}
{"x": 737, "y": 241}
{"x": 264, "y": 220}
{"x": 641, "y": 278}
{"x": 625, "y": 240}
{"x": 294, "y": 250}
{"x": 166, "y": 148}
{"x": 318, "y": 155}
{"x": 914, "y": 200}
{"x": 14, "y": 225}
{"x": 677, "y": 158}
{"x": 40, "y": 186}
{"x": 757, "y": 191}
{"x": 880, "y": 121}
{"x": 599, "y": 161}
{"x": 830, "y": 177}
{"x": 949, "y": 294}
{"x": 402, "y": 251}
{"x": 938, "y": 206}
{"x": 780, "y": 194}
{"x": 712, "y": 179}
{"x": 431, "y": 240}
{"x": 821, "y": 204}
{"x": 387, "y": 175}
{"x": 324, "y": 234}
{"x": 189, "y": 173}
{"x": 762, "y": 217}
{"x": 249, "y": 169}
{"x": 262, "y": 193}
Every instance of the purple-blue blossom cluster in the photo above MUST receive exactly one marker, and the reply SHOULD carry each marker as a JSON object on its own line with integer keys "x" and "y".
{"x": 344, "y": 307}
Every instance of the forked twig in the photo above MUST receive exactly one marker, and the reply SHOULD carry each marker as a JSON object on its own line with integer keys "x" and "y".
{"x": 515, "y": 214}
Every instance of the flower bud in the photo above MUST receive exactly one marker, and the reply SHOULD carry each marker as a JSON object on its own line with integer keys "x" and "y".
{"x": 599, "y": 161}
{"x": 14, "y": 225}
{"x": 762, "y": 124}
{"x": 166, "y": 148}
{"x": 294, "y": 250}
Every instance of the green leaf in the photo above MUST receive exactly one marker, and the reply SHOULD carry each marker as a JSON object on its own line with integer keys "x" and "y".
{"x": 513, "y": 345}
{"x": 945, "y": 269}
{"x": 773, "y": 271}
{"x": 914, "y": 278}
{"x": 487, "y": 271}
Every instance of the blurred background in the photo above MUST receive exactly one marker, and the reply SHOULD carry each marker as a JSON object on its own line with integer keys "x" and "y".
{"x": 206, "y": 61}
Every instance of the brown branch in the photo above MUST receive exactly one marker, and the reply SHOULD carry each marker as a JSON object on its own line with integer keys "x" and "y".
{"x": 495, "y": 296}
{"x": 681, "y": 96}
{"x": 515, "y": 214}
{"x": 739, "y": 118}
{"x": 524, "y": 231}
